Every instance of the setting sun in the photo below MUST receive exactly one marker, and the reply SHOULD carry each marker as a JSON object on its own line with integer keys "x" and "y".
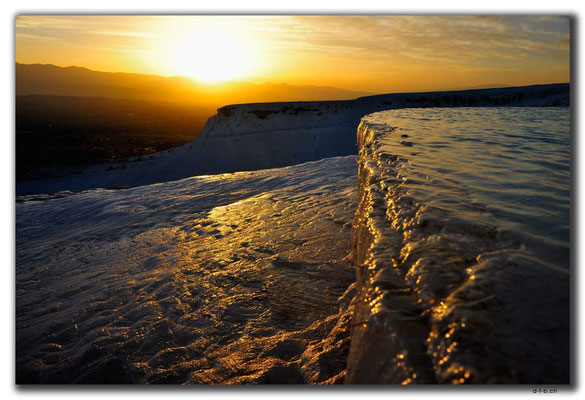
{"x": 210, "y": 51}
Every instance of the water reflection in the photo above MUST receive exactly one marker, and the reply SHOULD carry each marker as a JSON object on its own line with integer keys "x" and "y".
{"x": 472, "y": 229}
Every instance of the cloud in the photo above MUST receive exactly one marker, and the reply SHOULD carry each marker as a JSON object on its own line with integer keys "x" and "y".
{"x": 450, "y": 39}
{"x": 79, "y": 30}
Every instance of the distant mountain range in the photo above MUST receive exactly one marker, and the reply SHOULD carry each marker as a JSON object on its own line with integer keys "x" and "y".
{"x": 47, "y": 79}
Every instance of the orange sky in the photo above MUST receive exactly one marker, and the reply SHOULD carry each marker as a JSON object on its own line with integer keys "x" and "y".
{"x": 370, "y": 53}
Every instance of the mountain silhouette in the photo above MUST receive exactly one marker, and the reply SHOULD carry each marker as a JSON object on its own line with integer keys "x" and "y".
{"x": 47, "y": 79}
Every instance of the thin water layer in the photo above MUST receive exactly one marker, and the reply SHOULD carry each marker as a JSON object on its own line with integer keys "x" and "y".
{"x": 507, "y": 168}
{"x": 224, "y": 279}
{"x": 462, "y": 244}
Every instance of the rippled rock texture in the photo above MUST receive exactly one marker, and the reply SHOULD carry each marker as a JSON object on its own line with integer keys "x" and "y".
{"x": 225, "y": 279}
{"x": 462, "y": 253}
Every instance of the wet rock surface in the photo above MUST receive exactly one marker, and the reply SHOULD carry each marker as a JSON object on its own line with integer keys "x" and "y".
{"x": 226, "y": 279}
{"x": 462, "y": 249}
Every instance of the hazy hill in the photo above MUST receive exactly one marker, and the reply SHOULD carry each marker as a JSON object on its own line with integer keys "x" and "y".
{"x": 47, "y": 79}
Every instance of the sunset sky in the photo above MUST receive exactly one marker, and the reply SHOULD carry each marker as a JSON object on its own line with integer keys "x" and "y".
{"x": 369, "y": 53}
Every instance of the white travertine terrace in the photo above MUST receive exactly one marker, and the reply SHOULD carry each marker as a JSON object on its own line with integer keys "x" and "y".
{"x": 227, "y": 279}
{"x": 442, "y": 297}
{"x": 247, "y": 137}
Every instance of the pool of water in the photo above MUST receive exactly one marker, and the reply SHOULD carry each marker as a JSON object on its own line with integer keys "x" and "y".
{"x": 462, "y": 245}
{"x": 507, "y": 168}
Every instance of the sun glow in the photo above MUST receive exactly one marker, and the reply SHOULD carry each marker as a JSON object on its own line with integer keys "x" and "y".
{"x": 212, "y": 51}
{"x": 378, "y": 54}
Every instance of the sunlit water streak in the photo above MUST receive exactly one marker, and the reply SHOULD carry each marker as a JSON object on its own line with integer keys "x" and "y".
{"x": 462, "y": 239}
